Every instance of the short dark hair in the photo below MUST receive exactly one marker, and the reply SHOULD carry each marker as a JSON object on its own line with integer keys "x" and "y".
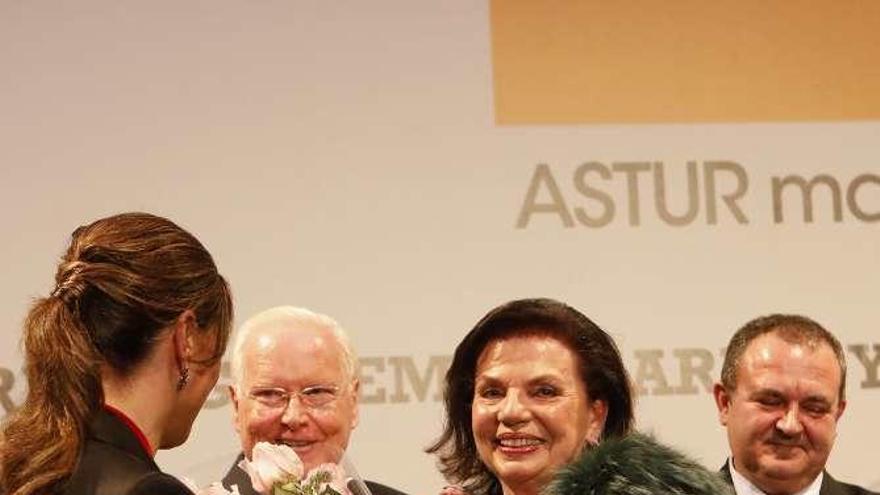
{"x": 599, "y": 361}
{"x": 794, "y": 329}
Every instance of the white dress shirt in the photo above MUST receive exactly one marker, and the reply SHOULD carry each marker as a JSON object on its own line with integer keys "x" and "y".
{"x": 745, "y": 487}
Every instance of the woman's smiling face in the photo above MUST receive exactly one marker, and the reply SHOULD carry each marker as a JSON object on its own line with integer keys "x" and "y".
{"x": 531, "y": 411}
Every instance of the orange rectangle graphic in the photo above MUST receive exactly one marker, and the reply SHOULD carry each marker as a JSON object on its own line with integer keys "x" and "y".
{"x": 626, "y": 61}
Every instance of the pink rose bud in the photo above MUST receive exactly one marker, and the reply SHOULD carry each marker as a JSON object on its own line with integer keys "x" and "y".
{"x": 270, "y": 465}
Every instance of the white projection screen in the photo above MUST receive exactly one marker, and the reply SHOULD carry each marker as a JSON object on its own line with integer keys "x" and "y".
{"x": 404, "y": 166}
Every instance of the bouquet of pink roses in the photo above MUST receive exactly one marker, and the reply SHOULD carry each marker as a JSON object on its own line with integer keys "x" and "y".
{"x": 277, "y": 470}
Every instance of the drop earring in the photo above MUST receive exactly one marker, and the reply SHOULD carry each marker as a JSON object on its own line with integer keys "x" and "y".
{"x": 183, "y": 380}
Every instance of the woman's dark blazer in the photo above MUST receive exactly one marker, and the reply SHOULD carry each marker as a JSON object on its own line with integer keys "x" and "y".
{"x": 113, "y": 462}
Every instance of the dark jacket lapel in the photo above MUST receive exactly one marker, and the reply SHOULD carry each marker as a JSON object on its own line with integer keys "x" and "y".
{"x": 725, "y": 473}
{"x": 108, "y": 429}
{"x": 236, "y": 476}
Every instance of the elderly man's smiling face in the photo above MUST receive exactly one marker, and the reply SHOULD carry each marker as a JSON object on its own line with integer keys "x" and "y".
{"x": 295, "y": 389}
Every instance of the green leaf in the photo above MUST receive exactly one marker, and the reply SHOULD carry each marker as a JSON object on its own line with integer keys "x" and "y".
{"x": 289, "y": 488}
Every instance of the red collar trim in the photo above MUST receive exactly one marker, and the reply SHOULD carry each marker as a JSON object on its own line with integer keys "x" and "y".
{"x": 138, "y": 433}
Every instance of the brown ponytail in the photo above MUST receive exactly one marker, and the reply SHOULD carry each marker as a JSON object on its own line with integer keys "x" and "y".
{"x": 42, "y": 440}
{"x": 122, "y": 280}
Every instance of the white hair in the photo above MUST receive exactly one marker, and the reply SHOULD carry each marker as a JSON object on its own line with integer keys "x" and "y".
{"x": 290, "y": 318}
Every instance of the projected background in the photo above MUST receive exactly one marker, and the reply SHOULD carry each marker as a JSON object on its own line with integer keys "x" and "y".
{"x": 406, "y": 165}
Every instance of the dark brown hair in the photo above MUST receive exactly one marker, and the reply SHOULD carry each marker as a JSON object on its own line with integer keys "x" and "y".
{"x": 794, "y": 329}
{"x": 601, "y": 369}
{"x": 122, "y": 281}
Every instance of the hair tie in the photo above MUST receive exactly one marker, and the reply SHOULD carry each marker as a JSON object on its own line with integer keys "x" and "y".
{"x": 67, "y": 280}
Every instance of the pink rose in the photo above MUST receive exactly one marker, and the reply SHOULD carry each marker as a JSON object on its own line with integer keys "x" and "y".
{"x": 272, "y": 464}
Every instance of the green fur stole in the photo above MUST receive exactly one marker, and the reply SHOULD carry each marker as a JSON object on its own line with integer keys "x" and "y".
{"x": 636, "y": 465}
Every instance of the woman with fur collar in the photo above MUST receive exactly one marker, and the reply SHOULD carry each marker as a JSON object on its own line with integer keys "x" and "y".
{"x": 538, "y": 401}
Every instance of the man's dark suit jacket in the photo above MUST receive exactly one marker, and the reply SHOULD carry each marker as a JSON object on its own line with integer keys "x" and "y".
{"x": 113, "y": 462}
{"x": 236, "y": 476}
{"x": 830, "y": 486}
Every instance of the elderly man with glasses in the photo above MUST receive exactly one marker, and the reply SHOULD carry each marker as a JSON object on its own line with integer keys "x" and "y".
{"x": 295, "y": 383}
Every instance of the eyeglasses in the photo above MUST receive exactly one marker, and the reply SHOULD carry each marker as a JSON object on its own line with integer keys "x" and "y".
{"x": 314, "y": 397}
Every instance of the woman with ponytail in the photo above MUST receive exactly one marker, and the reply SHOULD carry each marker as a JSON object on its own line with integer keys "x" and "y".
{"x": 119, "y": 359}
